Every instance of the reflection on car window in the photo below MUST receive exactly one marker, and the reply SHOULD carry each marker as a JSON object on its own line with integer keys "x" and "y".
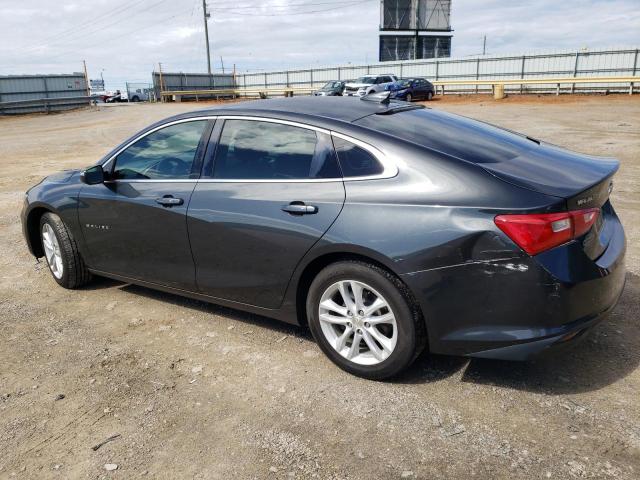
{"x": 251, "y": 149}
{"x": 165, "y": 154}
{"x": 356, "y": 161}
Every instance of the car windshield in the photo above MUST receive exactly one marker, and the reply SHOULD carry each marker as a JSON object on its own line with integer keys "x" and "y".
{"x": 366, "y": 80}
{"x": 330, "y": 85}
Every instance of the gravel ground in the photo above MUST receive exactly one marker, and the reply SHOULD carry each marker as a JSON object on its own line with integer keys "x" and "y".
{"x": 191, "y": 390}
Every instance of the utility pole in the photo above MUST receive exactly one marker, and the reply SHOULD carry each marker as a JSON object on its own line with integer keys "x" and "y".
{"x": 86, "y": 78}
{"x": 206, "y": 33}
{"x": 484, "y": 45}
{"x": 222, "y": 63}
{"x": 161, "y": 86}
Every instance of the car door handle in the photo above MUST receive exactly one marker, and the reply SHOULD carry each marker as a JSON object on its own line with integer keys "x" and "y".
{"x": 169, "y": 201}
{"x": 299, "y": 208}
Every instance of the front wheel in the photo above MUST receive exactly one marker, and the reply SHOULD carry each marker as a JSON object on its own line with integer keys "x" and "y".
{"x": 364, "y": 320}
{"x": 409, "y": 97}
{"x": 61, "y": 253}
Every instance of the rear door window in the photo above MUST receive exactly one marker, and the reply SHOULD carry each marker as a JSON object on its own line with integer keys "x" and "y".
{"x": 355, "y": 161}
{"x": 258, "y": 150}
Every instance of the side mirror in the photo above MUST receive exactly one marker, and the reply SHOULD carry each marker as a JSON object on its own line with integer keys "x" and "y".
{"x": 93, "y": 175}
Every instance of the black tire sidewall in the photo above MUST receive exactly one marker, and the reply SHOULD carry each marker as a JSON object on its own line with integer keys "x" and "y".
{"x": 409, "y": 97}
{"x": 407, "y": 341}
{"x": 56, "y": 224}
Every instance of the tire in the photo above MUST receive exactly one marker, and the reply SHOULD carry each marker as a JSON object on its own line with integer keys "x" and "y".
{"x": 135, "y": 98}
{"x": 70, "y": 271}
{"x": 409, "y": 328}
{"x": 429, "y": 96}
{"x": 408, "y": 98}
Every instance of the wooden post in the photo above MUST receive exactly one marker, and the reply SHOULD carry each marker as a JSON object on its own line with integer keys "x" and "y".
{"x": 86, "y": 79}
{"x": 161, "y": 84}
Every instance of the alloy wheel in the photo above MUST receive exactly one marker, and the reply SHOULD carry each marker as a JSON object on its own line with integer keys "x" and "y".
{"x": 358, "y": 322}
{"x": 52, "y": 251}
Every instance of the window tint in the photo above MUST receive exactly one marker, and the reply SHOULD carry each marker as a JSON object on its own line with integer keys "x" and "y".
{"x": 356, "y": 161}
{"x": 255, "y": 150}
{"x": 165, "y": 154}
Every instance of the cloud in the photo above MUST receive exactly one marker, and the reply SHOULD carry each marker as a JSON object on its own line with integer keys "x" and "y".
{"x": 128, "y": 38}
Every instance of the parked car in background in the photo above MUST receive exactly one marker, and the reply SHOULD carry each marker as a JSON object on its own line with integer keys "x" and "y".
{"x": 368, "y": 84}
{"x": 115, "y": 97}
{"x": 331, "y": 89}
{"x": 410, "y": 89}
{"x": 139, "y": 95}
{"x": 384, "y": 227}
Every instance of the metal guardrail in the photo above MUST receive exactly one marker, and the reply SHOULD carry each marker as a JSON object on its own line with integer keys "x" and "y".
{"x": 558, "y": 81}
{"x": 290, "y": 91}
{"x": 44, "y": 104}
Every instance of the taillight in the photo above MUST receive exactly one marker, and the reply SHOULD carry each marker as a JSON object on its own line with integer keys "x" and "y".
{"x": 537, "y": 232}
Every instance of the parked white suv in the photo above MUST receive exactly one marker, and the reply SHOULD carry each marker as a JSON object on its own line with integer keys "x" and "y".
{"x": 368, "y": 84}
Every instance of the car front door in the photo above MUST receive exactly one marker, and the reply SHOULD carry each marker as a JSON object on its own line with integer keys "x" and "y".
{"x": 272, "y": 190}
{"x": 418, "y": 89}
{"x": 134, "y": 223}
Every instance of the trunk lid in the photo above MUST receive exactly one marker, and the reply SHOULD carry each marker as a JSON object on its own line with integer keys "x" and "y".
{"x": 584, "y": 181}
{"x": 554, "y": 171}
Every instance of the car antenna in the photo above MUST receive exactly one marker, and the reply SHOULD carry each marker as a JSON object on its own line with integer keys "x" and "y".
{"x": 378, "y": 97}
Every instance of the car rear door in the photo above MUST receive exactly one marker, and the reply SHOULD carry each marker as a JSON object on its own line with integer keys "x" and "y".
{"x": 134, "y": 224}
{"x": 270, "y": 192}
{"x": 419, "y": 89}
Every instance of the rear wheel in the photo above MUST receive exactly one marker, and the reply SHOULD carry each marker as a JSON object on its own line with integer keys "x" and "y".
{"x": 135, "y": 98}
{"x": 61, "y": 253}
{"x": 364, "y": 319}
{"x": 429, "y": 96}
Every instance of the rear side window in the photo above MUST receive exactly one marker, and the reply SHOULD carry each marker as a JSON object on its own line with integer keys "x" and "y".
{"x": 356, "y": 161}
{"x": 167, "y": 153}
{"x": 257, "y": 150}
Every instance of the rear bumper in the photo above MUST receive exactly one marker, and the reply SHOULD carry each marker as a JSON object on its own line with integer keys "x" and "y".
{"x": 517, "y": 308}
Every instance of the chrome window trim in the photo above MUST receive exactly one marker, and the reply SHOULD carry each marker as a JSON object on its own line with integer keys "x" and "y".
{"x": 390, "y": 169}
{"x": 159, "y": 127}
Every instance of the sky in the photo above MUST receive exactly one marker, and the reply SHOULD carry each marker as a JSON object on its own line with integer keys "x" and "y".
{"x": 124, "y": 40}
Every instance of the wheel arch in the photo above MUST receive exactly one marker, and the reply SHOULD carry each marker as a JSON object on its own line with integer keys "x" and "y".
{"x": 314, "y": 266}
{"x": 33, "y": 229}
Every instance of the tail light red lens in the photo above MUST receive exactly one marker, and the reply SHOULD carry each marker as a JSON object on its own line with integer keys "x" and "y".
{"x": 537, "y": 232}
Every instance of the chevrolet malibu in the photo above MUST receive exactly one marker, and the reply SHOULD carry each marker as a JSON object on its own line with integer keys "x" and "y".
{"x": 383, "y": 227}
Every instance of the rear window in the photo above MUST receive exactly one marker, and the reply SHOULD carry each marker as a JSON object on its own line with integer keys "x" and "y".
{"x": 462, "y": 137}
{"x": 356, "y": 161}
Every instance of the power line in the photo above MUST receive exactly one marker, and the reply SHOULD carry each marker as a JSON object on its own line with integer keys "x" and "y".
{"x": 78, "y": 30}
{"x": 226, "y": 6}
{"x": 282, "y": 14}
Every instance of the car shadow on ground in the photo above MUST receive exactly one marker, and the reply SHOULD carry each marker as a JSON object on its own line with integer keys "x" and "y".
{"x": 609, "y": 353}
{"x": 237, "y": 315}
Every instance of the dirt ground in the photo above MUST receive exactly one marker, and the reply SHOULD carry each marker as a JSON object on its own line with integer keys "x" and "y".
{"x": 197, "y": 391}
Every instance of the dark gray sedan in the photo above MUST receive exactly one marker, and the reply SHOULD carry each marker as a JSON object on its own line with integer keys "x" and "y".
{"x": 383, "y": 227}
{"x": 331, "y": 89}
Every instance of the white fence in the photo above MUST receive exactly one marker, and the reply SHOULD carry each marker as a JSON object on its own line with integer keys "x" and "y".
{"x": 588, "y": 63}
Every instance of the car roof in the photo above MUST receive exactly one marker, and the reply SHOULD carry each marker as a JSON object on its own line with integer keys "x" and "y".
{"x": 341, "y": 109}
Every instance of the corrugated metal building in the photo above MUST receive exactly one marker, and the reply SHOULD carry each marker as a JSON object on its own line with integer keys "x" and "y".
{"x": 42, "y": 93}
{"x": 415, "y": 29}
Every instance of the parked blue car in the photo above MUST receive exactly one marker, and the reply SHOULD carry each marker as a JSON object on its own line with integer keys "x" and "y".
{"x": 410, "y": 89}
